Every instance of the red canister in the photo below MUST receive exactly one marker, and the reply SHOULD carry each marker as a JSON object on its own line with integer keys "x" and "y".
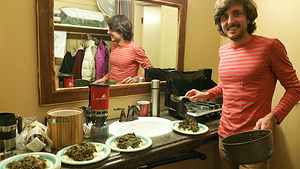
{"x": 66, "y": 80}
{"x": 99, "y": 96}
{"x": 69, "y": 81}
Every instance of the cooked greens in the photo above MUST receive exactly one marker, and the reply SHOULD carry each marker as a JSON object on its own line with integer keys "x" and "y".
{"x": 81, "y": 152}
{"x": 189, "y": 124}
{"x": 128, "y": 140}
{"x": 29, "y": 162}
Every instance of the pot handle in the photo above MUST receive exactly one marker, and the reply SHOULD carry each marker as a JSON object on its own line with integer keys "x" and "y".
{"x": 46, "y": 121}
{"x": 20, "y": 124}
{"x": 57, "y": 120}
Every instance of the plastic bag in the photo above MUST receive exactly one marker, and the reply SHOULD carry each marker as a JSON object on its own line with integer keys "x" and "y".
{"x": 37, "y": 138}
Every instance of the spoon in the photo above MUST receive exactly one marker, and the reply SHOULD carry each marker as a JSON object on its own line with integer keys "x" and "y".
{"x": 177, "y": 99}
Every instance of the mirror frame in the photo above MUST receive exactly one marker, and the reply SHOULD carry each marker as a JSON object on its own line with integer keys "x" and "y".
{"x": 48, "y": 94}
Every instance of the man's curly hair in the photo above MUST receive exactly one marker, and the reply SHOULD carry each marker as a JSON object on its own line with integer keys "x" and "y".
{"x": 250, "y": 10}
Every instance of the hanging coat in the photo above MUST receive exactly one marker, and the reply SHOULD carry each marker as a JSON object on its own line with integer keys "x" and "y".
{"x": 88, "y": 63}
{"x": 67, "y": 64}
{"x": 77, "y": 67}
{"x": 101, "y": 60}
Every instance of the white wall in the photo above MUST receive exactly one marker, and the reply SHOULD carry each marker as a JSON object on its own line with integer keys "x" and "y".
{"x": 280, "y": 19}
{"x": 151, "y": 33}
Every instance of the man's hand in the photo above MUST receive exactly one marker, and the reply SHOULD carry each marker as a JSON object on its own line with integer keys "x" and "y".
{"x": 102, "y": 80}
{"x": 128, "y": 80}
{"x": 266, "y": 122}
{"x": 195, "y": 95}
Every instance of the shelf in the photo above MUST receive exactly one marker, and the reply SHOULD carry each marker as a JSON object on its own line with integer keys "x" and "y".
{"x": 80, "y": 32}
{"x": 78, "y": 28}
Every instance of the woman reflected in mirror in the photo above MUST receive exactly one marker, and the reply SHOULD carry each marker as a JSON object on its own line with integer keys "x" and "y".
{"x": 126, "y": 56}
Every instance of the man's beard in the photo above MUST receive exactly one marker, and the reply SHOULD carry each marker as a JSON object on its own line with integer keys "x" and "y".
{"x": 238, "y": 36}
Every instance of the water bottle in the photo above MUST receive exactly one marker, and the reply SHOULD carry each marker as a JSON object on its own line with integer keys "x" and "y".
{"x": 155, "y": 98}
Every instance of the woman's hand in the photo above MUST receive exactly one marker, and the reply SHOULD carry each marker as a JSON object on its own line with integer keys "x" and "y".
{"x": 128, "y": 80}
{"x": 102, "y": 80}
{"x": 195, "y": 95}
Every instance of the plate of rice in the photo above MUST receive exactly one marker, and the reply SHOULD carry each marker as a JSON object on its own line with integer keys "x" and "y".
{"x": 83, "y": 153}
{"x": 28, "y": 160}
{"x": 128, "y": 142}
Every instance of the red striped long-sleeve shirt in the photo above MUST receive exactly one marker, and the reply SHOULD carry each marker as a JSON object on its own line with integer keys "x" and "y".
{"x": 125, "y": 61}
{"x": 248, "y": 75}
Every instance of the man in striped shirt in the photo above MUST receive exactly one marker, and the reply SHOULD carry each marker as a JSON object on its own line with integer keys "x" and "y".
{"x": 249, "y": 68}
{"x": 126, "y": 56}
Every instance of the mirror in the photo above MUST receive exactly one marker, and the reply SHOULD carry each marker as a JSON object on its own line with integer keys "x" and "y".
{"x": 155, "y": 29}
{"x": 48, "y": 92}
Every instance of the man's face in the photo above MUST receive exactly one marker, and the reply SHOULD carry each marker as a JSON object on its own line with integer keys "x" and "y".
{"x": 234, "y": 22}
{"x": 115, "y": 36}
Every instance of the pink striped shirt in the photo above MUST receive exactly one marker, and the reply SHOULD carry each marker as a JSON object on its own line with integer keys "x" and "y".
{"x": 248, "y": 74}
{"x": 125, "y": 61}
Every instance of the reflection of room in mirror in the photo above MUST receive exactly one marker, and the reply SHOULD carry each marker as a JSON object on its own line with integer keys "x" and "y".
{"x": 49, "y": 93}
{"x": 80, "y": 14}
{"x": 156, "y": 30}
{"x": 80, "y": 48}
{"x": 158, "y": 37}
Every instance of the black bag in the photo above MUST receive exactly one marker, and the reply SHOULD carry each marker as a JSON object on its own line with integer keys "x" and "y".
{"x": 156, "y": 73}
{"x": 180, "y": 82}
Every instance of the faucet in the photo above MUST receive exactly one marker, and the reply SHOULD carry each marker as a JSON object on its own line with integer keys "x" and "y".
{"x": 132, "y": 114}
{"x": 122, "y": 115}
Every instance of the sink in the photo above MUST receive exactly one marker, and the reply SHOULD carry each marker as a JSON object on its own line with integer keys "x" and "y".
{"x": 149, "y": 126}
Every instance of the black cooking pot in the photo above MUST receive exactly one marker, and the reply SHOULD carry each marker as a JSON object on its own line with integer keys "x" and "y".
{"x": 249, "y": 147}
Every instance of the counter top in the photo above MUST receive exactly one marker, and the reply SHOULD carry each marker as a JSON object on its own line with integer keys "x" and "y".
{"x": 164, "y": 147}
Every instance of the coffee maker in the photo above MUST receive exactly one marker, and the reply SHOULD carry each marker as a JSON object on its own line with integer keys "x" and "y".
{"x": 98, "y": 110}
{"x": 9, "y": 123}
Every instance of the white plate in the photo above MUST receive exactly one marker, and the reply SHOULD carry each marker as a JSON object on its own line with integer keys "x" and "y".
{"x": 104, "y": 153}
{"x": 203, "y": 128}
{"x": 51, "y": 158}
{"x": 113, "y": 139}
